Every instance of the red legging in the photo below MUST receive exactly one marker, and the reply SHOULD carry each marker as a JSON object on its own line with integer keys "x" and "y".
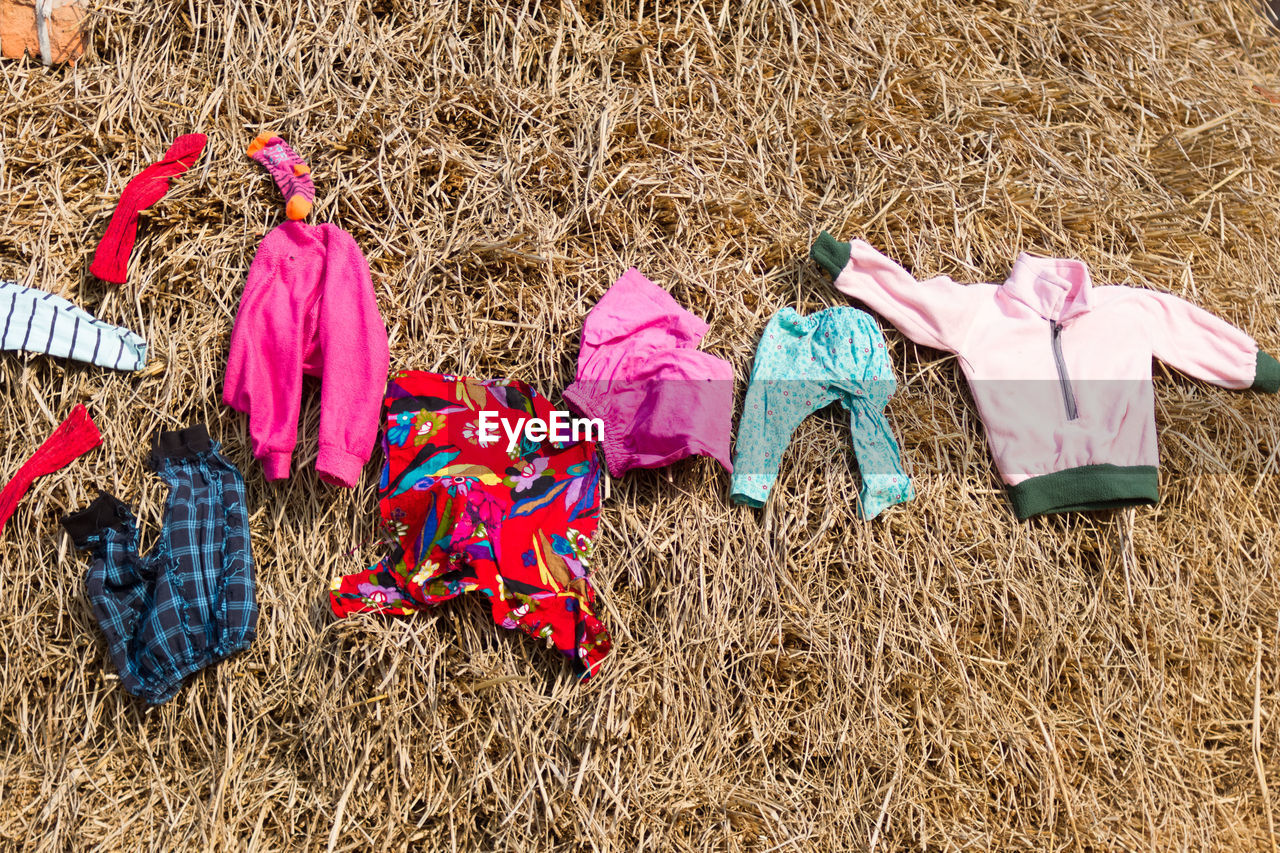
{"x": 75, "y": 436}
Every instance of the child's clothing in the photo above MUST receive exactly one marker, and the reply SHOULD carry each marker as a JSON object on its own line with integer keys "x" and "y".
{"x": 470, "y": 514}
{"x": 73, "y": 438}
{"x": 111, "y": 259}
{"x": 639, "y": 372}
{"x": 309, "y": 308}
{"x": 190, "y": 602}
{"x": 38, "y": 321}
{"x": 1060, "y": 370}
{"x": 801, "y": 365}
{"x": 290, "y": 172}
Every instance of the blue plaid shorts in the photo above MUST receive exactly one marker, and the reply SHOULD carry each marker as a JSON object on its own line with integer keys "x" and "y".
{"x": 190, "y": 602}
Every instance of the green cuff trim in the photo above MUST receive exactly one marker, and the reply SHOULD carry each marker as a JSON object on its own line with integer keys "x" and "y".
{"x": 1267, "y": 376}
{"x": 1088, "y": 487}
{"x": 830, "y": 253}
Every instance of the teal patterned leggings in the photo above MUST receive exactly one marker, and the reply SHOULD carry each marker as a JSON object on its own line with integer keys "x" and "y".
{"x": 801, "y": 365}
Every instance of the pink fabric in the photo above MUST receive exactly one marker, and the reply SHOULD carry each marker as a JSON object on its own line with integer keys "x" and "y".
{"x": 1002, "y": 335}
{"x": 660, "y": 399}
{"x": 309, "y": 308}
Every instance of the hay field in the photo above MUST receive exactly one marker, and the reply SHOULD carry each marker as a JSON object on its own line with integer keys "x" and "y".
{"x": 943, "y": 678}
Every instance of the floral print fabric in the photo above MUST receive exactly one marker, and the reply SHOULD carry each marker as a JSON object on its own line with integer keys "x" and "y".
{"x": 469, "y": 515}
{"x": 801, "y": 365}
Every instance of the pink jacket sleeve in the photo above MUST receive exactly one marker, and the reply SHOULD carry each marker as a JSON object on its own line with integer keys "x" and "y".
{"x": 935, "y": 313}
{"x": 264, "y": 370}
{"x": 1199, "y": 344}
{"x": 353, "y": 344}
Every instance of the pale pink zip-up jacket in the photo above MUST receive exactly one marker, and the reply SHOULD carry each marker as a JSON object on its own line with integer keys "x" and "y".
{"x": 1060, "y": 370}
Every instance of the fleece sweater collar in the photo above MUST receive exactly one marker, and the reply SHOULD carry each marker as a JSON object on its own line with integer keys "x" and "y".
{"x": 1055, "y": 288}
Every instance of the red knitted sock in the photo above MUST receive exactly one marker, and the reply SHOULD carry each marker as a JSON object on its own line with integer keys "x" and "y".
{"x": 111, "y": 260}
{"x": 75, "y": 436}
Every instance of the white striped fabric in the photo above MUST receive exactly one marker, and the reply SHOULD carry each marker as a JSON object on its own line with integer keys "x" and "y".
{"x": 38, "y": 321}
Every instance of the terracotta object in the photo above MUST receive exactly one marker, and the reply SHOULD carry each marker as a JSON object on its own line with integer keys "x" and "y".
{"x": 1273, "y": 97}
{"x": 49, "y": 29}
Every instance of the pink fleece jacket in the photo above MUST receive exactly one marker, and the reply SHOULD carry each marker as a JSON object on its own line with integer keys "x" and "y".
{"x": 309, "y": 308}
{"x": 1060, "y": 370}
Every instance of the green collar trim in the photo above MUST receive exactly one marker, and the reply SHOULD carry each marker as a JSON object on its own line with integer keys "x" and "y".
{"x": 1089, "y": 487}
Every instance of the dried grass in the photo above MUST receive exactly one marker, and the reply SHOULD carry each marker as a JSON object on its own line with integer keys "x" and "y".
{"x": 941, "y": 679}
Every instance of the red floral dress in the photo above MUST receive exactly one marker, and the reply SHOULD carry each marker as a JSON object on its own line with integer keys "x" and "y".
{"x": 470, "y": 513}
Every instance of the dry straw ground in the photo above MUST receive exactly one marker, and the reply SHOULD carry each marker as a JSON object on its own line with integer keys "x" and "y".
{"x": 944, "y": 678}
